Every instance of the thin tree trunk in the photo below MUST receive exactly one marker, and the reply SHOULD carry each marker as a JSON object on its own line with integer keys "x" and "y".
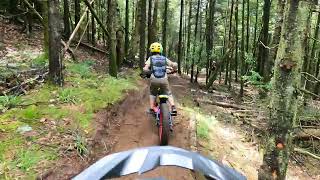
{"x": 313, "y": 64}
{"x": 55, "y": 59}
{"x": 248, "y": 26}
{"x": 228, "y": 63}
{"x": 275, "y": 40}
{"x": 255, "y": 29}
{"x": 66, "y": 19}
{"x": 113, "y": 69}
{"x": 154, "y": 31}
{"x": 263, "y": 51}
{"x": 284, "y": 101}
{"x": 150, "y": 22}
{"x": 142, "y": 28}
{"x": 307, "y": 67}
{"x": 45, "y": 27}
{"x": 77, "y": 10}
{"x": 126, "y": 44}
{"x": 237, "y": 41}
{"x": 195, "y": 39}
{"x": 189, "y": 36}
{"x": 93, "y": 29}
{"x": 165, "y": 23}
{"x": 209, "y": 36}
{"x": 180, "y": 37}
{"x": 242, "y": 53}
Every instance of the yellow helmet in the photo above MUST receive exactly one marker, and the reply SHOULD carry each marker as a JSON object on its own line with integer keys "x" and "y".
{"x": 156, "y": 47}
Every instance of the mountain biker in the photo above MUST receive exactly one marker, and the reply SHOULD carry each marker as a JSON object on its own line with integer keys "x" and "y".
{"x": 157, "y": 64}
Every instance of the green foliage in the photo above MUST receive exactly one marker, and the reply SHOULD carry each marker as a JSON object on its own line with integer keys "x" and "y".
{"x": 80, "y": 145}
{"x": 250, "y": 60}
{"x": 67, "y": 95}
{"x": 28, "y": 158}
{"x": 30, "y": 114}
{"x": 8, "y": 144}
{"x": 87, "y": 90}
{"x": 8, "y": 102}
{"x": 40, "y": 61}
{"x": 254, "y": 78}
{"x": 203, "y": 129}
{"x": 83, "y": 69}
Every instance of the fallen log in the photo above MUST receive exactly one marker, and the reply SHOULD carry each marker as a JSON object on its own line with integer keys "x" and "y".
{"x": 93, "y": 47}
{"x": 305, "y": 152}
{"x": 37, "y": 77}
{"x": 307, "y": 134}
{"x": 222, "y": 104}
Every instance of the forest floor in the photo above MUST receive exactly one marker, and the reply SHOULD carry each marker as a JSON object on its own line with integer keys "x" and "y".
{"x": 95, "y": 115}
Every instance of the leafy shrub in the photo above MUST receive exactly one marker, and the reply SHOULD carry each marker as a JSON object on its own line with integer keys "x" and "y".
{"x": 84, "y": 69}
{"x": 67, "y": 95}
{"x": 254, "y": 78}
{"x": 40, "y": 61}
{"x": 8, "y": 102}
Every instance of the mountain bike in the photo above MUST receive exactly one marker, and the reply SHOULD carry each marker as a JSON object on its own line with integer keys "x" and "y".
{"x": 162, "y": 114}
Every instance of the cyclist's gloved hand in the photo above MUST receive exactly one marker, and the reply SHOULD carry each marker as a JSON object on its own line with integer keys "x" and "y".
{"x": 145, "y": 74}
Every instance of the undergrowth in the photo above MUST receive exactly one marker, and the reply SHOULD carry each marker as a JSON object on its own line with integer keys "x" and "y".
{"x": 85, "y": 92}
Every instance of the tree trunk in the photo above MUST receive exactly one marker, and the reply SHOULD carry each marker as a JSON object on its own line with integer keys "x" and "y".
{"x": 209, "y": 36}
{"x": 165, "y": 23}
{"x": 134, "y": 43}
{"x": 307, "y": 67}
{"x": 195, "y": 39}
{"x": 180, "y": 37}
{"x": 316, "y": 36}
{"x": 93, "y": 29}
{"x": 275, "y": 40}
{"x": 189, "y": 36}
{"x": 77, "y": 11}
{"x": 142, "y": 29}
{"x": 113, "y": 69}
{"x": 120, "y": 49}
{"x": 255, "y": 29}
{"x": 237, "y": 40}
{"x": 248, "y": 26}
{"x": 263, "y": 51}
{"x": 126, "y": 43}
{"x": 66, "y": 19}
{"x": 284, "y": 101}
{"x": 312, "y": 69}
{"x": 154, "y": 29}
{"x": 45, "y": 11}
{"x": 13, "y": 6}
{"x": 228, "y": 62}
{"x": 55, "y": 60}
{"x": 242, "y": 53}
{"x": 150, "y": 22}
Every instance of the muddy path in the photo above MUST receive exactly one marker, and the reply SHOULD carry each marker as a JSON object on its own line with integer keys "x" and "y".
{"x": 126, "y": 126}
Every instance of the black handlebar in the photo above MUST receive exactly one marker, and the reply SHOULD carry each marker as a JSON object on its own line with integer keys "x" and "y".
{"x": 147, "y": 74}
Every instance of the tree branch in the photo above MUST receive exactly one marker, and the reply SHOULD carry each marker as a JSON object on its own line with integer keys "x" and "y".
{"x": 302, "y": 151}
{"x": 308, "y": 92}
{"x": 96, "y": 17}
{"x": 315, "y": 78}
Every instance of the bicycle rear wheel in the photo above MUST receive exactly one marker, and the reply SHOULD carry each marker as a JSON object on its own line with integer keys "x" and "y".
{"x": 164, "y": 128}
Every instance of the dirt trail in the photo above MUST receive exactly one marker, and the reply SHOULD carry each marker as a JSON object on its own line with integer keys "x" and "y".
{"x": 126, "y": 126}
{"x": 138, "y": 130}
